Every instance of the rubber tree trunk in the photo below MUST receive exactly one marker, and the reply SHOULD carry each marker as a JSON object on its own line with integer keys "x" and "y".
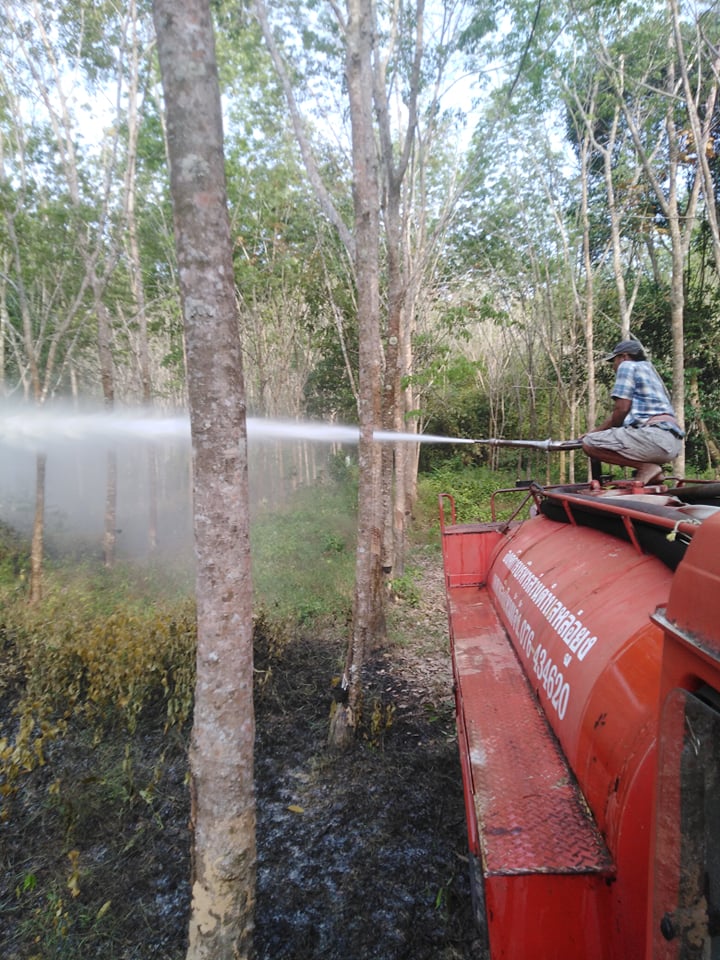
{"x": 368, "y": 618}
{"x": 221, "y": 751}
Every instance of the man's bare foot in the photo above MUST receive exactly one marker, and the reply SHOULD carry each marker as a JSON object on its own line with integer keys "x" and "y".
{"x": 650, "y": 475}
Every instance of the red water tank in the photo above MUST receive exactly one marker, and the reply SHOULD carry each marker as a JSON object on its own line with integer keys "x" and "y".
{"x": 580, "y": 656}
{"x": 576, "y": 604}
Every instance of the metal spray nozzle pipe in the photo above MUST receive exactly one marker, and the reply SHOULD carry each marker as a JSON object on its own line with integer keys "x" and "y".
{"x": 549, "y": 445}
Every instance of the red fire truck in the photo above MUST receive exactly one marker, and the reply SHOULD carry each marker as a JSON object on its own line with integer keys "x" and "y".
{"x": 586, "y": 655}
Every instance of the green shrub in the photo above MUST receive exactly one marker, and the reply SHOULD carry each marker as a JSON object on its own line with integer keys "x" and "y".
{"x": 67, "y": 663}
{"x": 406, "y": 587}
{"x": 14, "y": 559}
{"x": 470, "y": 487}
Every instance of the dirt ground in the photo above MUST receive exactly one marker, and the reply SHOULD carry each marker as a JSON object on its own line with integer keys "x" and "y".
{"x": 361, "y": 856}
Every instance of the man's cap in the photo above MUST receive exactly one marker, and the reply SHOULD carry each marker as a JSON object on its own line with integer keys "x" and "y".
{"x": 633, "y": 347}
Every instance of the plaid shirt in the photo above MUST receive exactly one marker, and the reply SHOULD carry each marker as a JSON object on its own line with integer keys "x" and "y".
{"x": 638, "y": 381}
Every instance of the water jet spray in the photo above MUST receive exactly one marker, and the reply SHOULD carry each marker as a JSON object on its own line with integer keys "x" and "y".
{"x": 35, "y": 429}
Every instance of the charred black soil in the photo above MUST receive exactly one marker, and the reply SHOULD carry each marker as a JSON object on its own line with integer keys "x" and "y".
{"x": 361, "y": 855}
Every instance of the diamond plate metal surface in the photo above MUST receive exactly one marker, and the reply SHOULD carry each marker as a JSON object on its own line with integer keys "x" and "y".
{"x": 532, "y": 816}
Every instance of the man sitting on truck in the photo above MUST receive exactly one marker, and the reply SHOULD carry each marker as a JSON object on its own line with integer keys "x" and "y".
{"x": 642, "y": 431}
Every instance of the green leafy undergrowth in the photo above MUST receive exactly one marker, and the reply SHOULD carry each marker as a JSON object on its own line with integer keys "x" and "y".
{"x": 96, "y": 693}
{"x": 303, "y": 555}
{"x": 68, "y": 660}
{"x": 105, "y": 648}
{"x": 472, "y": 489}
{"x": 14, "y": 559}
{"x": 407, "y": 587}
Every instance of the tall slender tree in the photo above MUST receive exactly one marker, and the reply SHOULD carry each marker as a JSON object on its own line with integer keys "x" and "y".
{"x": 394, "y": 121}
{"x": 221, "y": 753}
{"x": 359, "y": 30}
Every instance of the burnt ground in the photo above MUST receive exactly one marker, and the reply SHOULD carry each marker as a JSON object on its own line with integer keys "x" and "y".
{"x": 361, "y": 855}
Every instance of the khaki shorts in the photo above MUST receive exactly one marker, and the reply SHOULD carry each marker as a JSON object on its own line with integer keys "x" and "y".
{"x": 644, "y": 444}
